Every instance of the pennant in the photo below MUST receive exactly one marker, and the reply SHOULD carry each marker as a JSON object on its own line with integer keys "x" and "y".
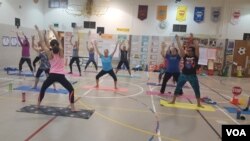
{"x": 215, "y": 14}
{"x": 199, "y": 14}
{"x": 161, "y": 13}
{"x": 235, "y": 16}
{"x": 142, "y": 12}
{"x": 181, "y": 13}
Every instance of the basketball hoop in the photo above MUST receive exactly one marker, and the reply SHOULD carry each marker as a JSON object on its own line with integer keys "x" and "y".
{"x": 74, "y": 9}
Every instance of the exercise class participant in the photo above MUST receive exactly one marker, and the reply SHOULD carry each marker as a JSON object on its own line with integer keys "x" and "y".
{"x": 75, "y": 56}
{"x": 91, "y": 51}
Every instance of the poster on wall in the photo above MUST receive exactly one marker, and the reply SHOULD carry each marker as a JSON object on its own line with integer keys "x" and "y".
{"x": 181, "y": 13}
{"x": 199, "y": 13}
{"x": 215, "y": 14}
{"x": 5, "y": 41}
{"x": 235, "y": 18}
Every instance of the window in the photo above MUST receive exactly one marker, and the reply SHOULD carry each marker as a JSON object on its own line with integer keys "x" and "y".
{"x": 89, "y": 24}
{"x": 58, "y": 3}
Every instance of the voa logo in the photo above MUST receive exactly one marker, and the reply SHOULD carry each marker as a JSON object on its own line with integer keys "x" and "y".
{"x": 236, "y": 132}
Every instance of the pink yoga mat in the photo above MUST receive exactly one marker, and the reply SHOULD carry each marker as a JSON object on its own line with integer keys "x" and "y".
{"x": 106, "y": 88}
{"x": 170, "y": 95}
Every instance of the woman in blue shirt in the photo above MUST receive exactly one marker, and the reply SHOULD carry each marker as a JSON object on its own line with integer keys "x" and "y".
{"x": 106, "y": 65}
{"x": 172, "y": 58}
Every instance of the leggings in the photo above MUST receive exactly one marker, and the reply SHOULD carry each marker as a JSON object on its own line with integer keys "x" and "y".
{"x": 192, "y": 79}
{"x": 89, "y": 61}
{"x": 73, "y": 59}
{"x": 123, "y": 62}
{"x": 102, "y": 72}
{"x": 166, "y": 77}
{"x": 35, "y": 61}
{"x": 162, "y": 71}
{"x": 22, "y": 60}
{"x": 60, "y": 78}
{"x": 39, "y": 72}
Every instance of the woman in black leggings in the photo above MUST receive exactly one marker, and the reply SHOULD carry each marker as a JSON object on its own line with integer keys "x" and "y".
{"x": 106, "y": 65}
{"x": 56, "y": 73}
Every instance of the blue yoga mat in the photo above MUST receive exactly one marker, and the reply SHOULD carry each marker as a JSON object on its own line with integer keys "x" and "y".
{"x": 234, "y": 110}
{"x": 24, "y": 73}
{"x": 49, "y": 90}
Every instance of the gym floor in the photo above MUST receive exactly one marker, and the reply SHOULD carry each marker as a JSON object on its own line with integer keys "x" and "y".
{"x": 120, "y": 116}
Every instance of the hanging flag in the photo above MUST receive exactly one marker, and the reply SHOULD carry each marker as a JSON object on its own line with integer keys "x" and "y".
{"x": 199, "y": 14}
{"x": 161, "y": 13}
{"x": 215, "y": 14}
{"x": 142, "y": 12}
{"x": 181, "y": 13}
{"x": 235, "y": 16}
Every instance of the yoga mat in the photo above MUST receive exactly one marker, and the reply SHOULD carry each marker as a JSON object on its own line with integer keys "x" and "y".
{"x": 49, "y": 90}
{"x": 128, "y": 76}
{"x": 23, "y": 73}
{"x": 187, "y": 106}
{"x": 234, "y": 110}
{"x": 168, "y": 85}
{"x": 57, "y": 111}
{"x": 184, "y": 96}
{"x": 91, "y": 71}
{"x": 106, "y": 88}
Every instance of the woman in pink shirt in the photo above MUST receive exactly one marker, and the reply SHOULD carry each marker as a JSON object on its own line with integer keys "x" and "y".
{"x": 25, "y": 52}
{"x": 56, "y": 74}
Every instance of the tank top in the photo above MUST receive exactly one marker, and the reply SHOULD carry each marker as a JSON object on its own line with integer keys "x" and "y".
{"x": 44, "y": 61}
{"x": 91, "y": 56}
{"x": 57, "y": 64}
{"x": 124, "y": 55}
{"x": 75, "y": 52}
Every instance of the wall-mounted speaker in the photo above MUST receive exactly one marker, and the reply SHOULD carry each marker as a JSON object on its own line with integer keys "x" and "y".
{"x": 73, "y": 25}
{"x": 100, "y": 30}
{"x": 17, "y": 22}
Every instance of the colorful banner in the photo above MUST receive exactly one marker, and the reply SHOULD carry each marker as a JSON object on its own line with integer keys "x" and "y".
{"x": 199, "y": 14}
{"x": 142, "y": 12}
{"x": 161, "y": 13}
{"x": 235, "y": 16}
{"x": 181, "y": 13}
{"x": 215, "y": 14}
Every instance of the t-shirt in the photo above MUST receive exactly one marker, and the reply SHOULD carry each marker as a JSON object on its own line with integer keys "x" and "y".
{"x": 106, "y": 63}
{"x": 190, "y": 64}
{"x": 124, "y": 55}
{"x": 173, "y": 62}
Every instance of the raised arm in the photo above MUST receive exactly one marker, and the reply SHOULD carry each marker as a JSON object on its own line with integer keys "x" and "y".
{"x": 61, "y": 52}
{"x": 46, "y": 40}
{"x": 112, "y": 54}
{"x": 41, "y": 39}
{"x": 182, "y": 52}
{"x": 163, "y": 46}
{"x": 87, "y": 46}
{"x": 25, "y": 36}
{"x": 129, "y": 46}
{"x": 96, "y": 48}
{"x": 196, "y": 46}
{"x": 71, "y": 40}
{"x": 34, "y": 46}
{"x": 18, "y": 37}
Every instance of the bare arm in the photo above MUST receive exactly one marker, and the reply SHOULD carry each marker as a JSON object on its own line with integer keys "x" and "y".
{"x": 46, "y": 40}
{"x": 112, "y": 54}
{"x": 42, "y": 42}
{"x": 196, "y": 46}
{"x": 129, "y": 47}
{"x": 71, "y": 40}
{"x": 182, "y": 52}
{"x": 163, "y": 49}
{"x": 33, "y": 44}
{"x": 18, "y": 37}
{"x": 87, "y": 46}
{"x": 58, "y": 40}
{"x": 97, "y": 50}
